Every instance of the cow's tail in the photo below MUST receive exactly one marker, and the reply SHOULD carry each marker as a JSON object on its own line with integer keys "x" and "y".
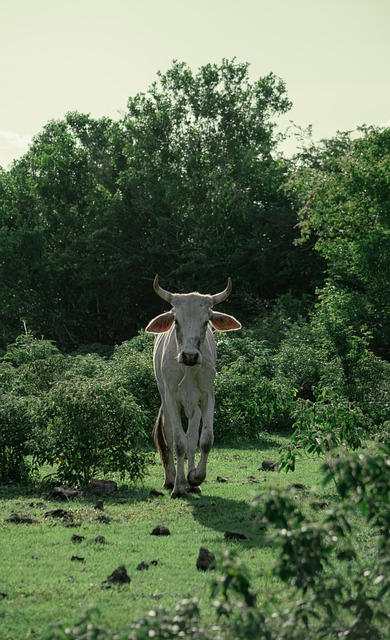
{"x": 160, "y": 440}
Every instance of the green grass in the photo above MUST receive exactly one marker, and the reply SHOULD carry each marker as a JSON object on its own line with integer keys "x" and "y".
{"x": 45, "y": 587}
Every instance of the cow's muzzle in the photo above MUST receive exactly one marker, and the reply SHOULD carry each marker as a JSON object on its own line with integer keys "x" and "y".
{"x": 190, "y": 358}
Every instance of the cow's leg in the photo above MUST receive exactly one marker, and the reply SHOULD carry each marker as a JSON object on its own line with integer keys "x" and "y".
{"x": 196, "y": 476}
{"x": 171, "y": 410}
{"x": 163, "y": 438}
{"x": 192, "y": 443}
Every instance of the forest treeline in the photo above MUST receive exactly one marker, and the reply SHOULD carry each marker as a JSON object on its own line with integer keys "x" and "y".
{"x": 189, "y": 184}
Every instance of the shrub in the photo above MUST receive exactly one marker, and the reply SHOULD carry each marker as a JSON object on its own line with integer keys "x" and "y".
{"x": 90, "y": 426}
{"x": 323, "y": 427}
{"x": 370, "y": 389}
{"x": 38, "y": 377}
{"x": 330, "y": 356}
{"x": 132, "y": 366}
{"x": 274, "y": 318}
{"x": 231, "y": 348}
{"x": 334, "y": 602}
{"x": 16, "y": 426}
{"x": 248, "y": 403}
{"x": 102, "y": 350}
{"x": 299, "y": 360}
{"x": 8, "y": 377}
{"x": 27, "y": 348}
{"x": 84, "y": 411}
{"x": 349, "y": 367}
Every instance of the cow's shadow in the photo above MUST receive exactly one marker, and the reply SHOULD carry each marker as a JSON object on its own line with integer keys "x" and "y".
{"x": 227, "y": 515}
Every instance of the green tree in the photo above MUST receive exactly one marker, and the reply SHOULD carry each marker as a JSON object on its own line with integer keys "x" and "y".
{"x": 342, "y": 190}
{"x": 55, "y": 257}
{"x": 205, "y": 179}
{"x": 188, "y": 183}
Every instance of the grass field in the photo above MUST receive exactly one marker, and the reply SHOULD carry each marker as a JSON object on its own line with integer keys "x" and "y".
{"x": 50, "y": 580}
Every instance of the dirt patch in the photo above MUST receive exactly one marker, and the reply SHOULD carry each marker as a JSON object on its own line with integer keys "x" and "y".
{"x": 63, "y": 492}
{"x": 98, "y": 540}
{"x": 59, "y": 513}
{"x": 77, "y": 539}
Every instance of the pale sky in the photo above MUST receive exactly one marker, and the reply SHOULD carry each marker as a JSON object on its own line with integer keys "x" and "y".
{"x": 91, "y": 55}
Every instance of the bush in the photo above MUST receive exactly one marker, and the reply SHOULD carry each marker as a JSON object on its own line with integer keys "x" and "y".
{"x": 334, "y": 602}
{"x": 249, "y": 398}
{"x": 245, "y": 347}
{"x": 299, "y": 360}
{"x": 343, "y": 342}
{"x": 82, "y": 413}
{"x": 132, "y": 366}
{"x": 37, "y": 377}
{"x": 323, "y": 427}
{"x": 102, "y": 350}
{"x": 16, "y": 424}
{"x": 27, "y": 348}
{"x": 247, "y": 402}
{"x": 89, "y": 426}
{"x": 332, "y": 356}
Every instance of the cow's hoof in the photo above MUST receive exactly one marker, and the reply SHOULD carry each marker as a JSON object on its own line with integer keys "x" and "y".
{"x": 194, "y": 481}
{"x": 191, "y": 489}
{"x": 168, "y": 485}
{"x": 178, "y": 494}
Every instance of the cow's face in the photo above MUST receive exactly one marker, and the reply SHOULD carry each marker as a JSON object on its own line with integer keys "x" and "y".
{"x": 189, "y": 319}
{"x": 191, "y": 313}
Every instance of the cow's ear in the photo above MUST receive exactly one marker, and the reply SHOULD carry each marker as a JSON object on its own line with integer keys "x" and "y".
{"x": 160, "y": 324}
{"x": 223, "y": 322}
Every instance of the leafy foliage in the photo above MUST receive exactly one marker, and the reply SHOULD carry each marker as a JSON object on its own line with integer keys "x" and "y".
{"x": 341, "y": 191}
{"x": 249, "y": 398}
{"x": 354, "y": 605}
{"x": 16, "y": 423}
{"x": 90, "y": 426}
{"x": 77, "y": 413}
{"x": 323, "y": 428}
{"x": 27, "y": 349}
{"x": 131, "y": 365}
{"x": 96, "y": 207}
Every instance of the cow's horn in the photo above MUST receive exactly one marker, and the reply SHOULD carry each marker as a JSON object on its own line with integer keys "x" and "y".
{"x": 165, "y": 295}
{"x": 220, "y": 297}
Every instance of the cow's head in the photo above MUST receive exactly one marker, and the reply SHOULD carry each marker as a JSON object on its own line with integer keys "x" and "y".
{"x": 189, "y": 318}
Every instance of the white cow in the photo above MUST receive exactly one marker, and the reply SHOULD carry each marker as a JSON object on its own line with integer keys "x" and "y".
{"x": 184, "y": 365}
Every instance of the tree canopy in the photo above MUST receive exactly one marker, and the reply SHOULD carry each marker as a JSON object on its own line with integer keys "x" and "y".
{"x": 189, "y": 183}
{"x": 342, "y": 192}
